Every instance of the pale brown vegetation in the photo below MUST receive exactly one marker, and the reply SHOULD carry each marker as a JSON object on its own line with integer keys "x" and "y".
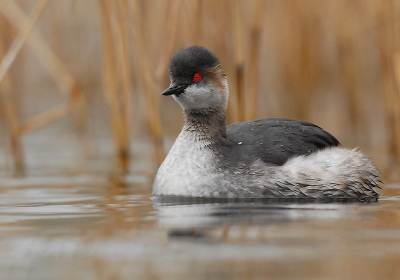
{"x": 335, "y": 63}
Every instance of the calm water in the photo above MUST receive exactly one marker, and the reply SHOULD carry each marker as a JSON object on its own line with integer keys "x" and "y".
{"x": 88, "y": 228}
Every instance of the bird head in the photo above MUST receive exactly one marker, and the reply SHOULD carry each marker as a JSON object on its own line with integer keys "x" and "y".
{"x": 197, "y": 79}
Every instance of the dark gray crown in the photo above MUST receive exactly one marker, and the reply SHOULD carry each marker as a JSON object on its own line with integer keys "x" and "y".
{"x": 189, "y": 61}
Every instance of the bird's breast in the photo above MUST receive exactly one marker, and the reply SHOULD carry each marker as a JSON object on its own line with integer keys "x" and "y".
{"x": 188, "y": 170}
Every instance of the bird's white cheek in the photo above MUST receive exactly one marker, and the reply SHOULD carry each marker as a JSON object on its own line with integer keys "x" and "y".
{"x": 201, "y": 97}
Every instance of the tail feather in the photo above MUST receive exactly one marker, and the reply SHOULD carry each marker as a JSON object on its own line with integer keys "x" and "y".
{"x": 331, "y": 173}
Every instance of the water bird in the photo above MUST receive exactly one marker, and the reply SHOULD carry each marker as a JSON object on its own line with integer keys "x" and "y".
{"x": 266, "y": 158}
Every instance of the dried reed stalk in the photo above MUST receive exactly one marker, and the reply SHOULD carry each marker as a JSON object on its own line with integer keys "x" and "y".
{"x": 44, "y": 119}
{"x": 218, "y": 22}
{"x": 6, "y": 84}
{"x": 229, "y": 66}
{"x": 124, "y": 58}
{"x": 348, "y": 63}
{"x": 123, "y": 52}
{"x": 170, "y": 35}
{"x": 386, "y": 22}
{"x": 198, "y": 22}
{"x": 111, "y": 84}
{"x": 395, "y": 9}
{"x": 6, "y": 88}
{"x": 306, "y": 47}
{"x": 148, "y": 81}
{"x": 253, "y": 60}
{"x": 78, "y": 106}
{"x": 11, "y": 119}
{"x": 396, "y": 103}
{"x": 239, "y": 58}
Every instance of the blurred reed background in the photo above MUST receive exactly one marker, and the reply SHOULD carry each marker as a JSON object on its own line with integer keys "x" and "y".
{"x": 97, "y": 67}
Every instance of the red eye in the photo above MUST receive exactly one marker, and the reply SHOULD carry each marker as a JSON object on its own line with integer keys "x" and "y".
{"x": 197, "y": 77}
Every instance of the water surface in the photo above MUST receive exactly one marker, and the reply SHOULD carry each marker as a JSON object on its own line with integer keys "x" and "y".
{"x": 88, "y": 228}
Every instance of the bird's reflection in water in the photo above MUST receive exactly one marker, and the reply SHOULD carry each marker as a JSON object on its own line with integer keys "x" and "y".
{"x": 191, "y": 218}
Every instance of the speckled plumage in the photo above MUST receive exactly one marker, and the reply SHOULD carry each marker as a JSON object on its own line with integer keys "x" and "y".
{"x": 273, "y": 158}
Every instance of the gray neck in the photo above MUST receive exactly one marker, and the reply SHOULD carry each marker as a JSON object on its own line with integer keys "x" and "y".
{"x": 209, "y": 122}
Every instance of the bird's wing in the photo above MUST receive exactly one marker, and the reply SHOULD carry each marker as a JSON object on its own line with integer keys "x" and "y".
{"x": 275, "y": 140}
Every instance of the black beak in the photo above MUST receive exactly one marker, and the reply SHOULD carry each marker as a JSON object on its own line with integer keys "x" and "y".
{"x": 175, "y": 89}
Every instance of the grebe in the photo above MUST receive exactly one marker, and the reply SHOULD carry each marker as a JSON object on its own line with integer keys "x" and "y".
{"x": 268, "y": 158}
